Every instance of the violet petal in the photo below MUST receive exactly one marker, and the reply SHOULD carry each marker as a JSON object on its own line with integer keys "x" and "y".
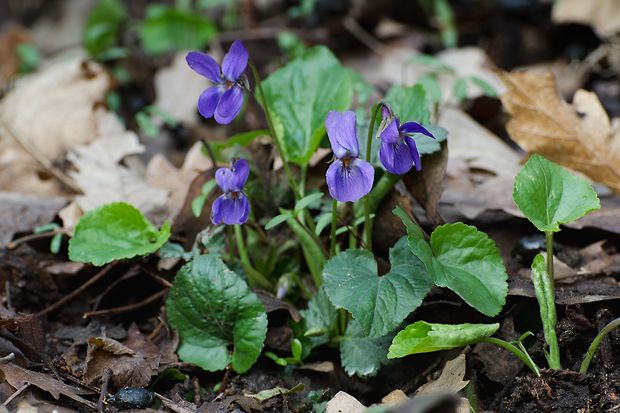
{"x": 224, "y": 178}
{"x": 396, "y": 158}
{"x": 204, "y": 64}
{"x": 235, "y": 61}
{"x": 208, "y": 100}
{"x": 415, "y": 155}
{"x": 230, "y": 209}
{"x": 348, "y": 184}
{"x": 240, "y": 173}
{"x": 390, "y": 133}
{"x": 229, "y": 105}
{"x": 340, "y": 129}
{"x": 414, "y": 127}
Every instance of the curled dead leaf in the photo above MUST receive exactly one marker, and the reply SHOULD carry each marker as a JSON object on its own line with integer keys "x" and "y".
{"x": 132, "y": 362}
{"x": 578, "y": 136}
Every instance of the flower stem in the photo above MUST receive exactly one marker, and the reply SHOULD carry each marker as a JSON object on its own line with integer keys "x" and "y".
{"x": 332, "y": 236}
{"x": 297, "y": 192}
{"x": 255, "y": 278}
{"x": 367, "y": 223}
{"x": 585, "y": 364}
{"x": 524, "y": 357}
{"x": 552, "y": 340}
{"x": 380, "y": 191}
{"x": 276, "y": 139}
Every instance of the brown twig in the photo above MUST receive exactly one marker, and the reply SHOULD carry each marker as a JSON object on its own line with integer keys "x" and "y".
{"x": 126, "y": 308}
{"x": 33, "y": 237}
{"x": 130, "y": 274}
{"x": 105, "y": 381}
{"x": 41, "y": 159}
{"x": 225, "y": 379}
{"x": 77, "y": 291}
{"x": 161, "y": 280}
{"x": 14, "y": 395}
{"x": 363, "y": 36}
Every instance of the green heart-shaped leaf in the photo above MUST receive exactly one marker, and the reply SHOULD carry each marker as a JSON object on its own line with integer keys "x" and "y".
{"x": 213, "y": 308}
{"x": 379, "y": 304}
{"x": 423, "y": 337}
{"x": 360, "y": 355}
{"x": 462, "y": 259}
{"x": 467, "y": 261}
{"x": 115, "y": 231}
{"x": 299, "y": 96}
{"x": 549, "y": 195}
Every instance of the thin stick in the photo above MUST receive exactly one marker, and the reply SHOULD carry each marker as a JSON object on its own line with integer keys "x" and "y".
{"x": 41, "y": 159}
{"x": 11, "y": 245}
{"x": 14, "y": 395}
{"x": 127, "y": 308}
{"x": 77, "y": 291}
{"x": 105, "y": 381}
{"x": 363, "y": 36}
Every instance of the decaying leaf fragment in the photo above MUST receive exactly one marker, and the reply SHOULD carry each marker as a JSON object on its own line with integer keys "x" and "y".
{"x": 17, "y": 377}
{"x": 132, "y": 362}
{"x": 578, "y": 135}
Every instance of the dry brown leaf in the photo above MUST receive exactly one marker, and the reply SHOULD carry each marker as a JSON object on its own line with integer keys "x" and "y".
{"x": 48, "y": 112}
{"x": 103, "y": 179}
{"x": 20, "y": 213}
{"x": 344, "y": 402}
{"x": 160, "y": 173}
{"x": 577, "y": 136}
{"x": 17, "y": 377}
{"x": 132, "y": 362}
{"x": 426, "y": 185}
{"x": 602, "y": 15}
{"x": 450, "y": 380}
{"x": 395, "y": 397}
{"x": 481, "y": 167}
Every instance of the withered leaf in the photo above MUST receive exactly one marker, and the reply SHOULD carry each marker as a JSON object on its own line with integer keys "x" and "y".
{"x": 577, "y": 136}
{"x": 17, "y": 377}
{"x": 450, "y": 380}
{"x": 426, "y": 185}
{"x": 132, "y": 362}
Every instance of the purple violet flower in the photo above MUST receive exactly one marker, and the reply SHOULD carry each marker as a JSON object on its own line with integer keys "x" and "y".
{"x": 223, "y": 100}
{"x": 398, "y": 151}
{"x": 348, "y": 177}
{"x": 232, "y": 207}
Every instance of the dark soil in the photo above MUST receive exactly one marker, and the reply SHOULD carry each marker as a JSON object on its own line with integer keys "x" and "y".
{"x": 562, "y": 391}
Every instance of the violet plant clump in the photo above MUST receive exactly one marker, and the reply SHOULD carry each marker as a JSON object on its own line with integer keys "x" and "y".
{"x": 222, "y": 101}
{"x": 349, "y": 305}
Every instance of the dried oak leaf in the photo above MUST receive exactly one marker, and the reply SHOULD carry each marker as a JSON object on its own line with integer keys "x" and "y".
{"x": 17, "y": 377}
{"x": 47, "y": 112}
{"x": 132, "y": 362}
{"x": 578, "y": 136}
{"x": 101, "y": 176}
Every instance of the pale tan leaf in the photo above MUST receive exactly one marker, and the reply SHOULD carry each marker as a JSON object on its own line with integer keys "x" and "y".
{"x": 160, "y": 173}
{"x": 344, "y": 402}
{"x": 450, "y": 380}
{"x": 46, "y": 114}
{"x": 103, "y": 179}
{"x": 577, "y": 136}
